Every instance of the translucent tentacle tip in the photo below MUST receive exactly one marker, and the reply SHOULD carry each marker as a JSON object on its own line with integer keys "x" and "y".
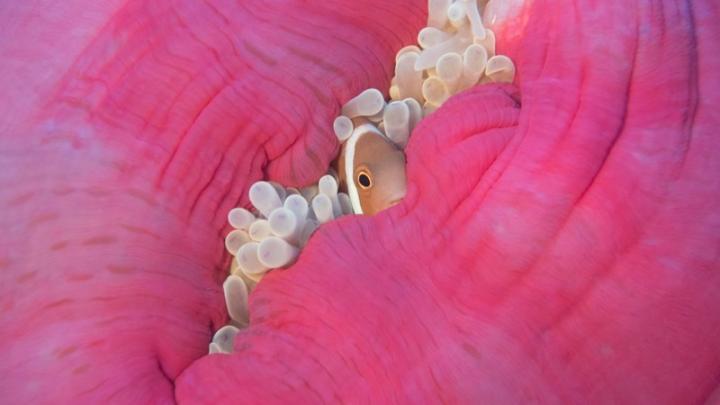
{"x": 397, "y": 122}
{"x": 322, "y": 206}
{"x": 275, "y": 252}
{"x": 367, "y": 103}
{"x": 236, "y": 299}
{"x": 248, "y": 260}
{"x": 264, "y": 197}
{"x": 240, "y": 218}
{"x": 235, "y": 239}
{"x": 500, "y": 68}
{"x": 283, "y": 223}
{"x": 343, "y": 128}
{"x": 224, "y": 339}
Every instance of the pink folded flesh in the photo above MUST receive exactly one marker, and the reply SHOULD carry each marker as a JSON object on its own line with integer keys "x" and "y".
{"x": 559, "y": 243}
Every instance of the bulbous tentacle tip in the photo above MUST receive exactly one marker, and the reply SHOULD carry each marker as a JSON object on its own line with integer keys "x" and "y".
{"x": 236, "y": 300}
{"x": 240, "y": 218}
{"x": 397, "y": 122}
{"x": 224, "y": 339}
{"x": 500, "y": 69}
{"x": 235, "y": 239}
{"x": 323, "y": 208}
{"x": 248, "y": 261}
{"x": 275, "y": 252}
{"x": 369, "y": 102}
{"x": 264, "y": 197}
{"x": 260, "y": 230}
{"x": 285, "y": 224}
{"x": 343, "y": 127}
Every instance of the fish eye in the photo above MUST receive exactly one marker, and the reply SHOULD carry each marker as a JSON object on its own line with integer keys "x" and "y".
{"x": 363, "y": 179}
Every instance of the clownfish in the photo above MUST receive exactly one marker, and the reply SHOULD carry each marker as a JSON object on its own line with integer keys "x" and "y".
{"x": 371, "y": 169}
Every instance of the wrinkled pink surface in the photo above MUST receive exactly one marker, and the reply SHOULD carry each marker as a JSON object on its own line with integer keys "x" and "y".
{"x": 559, "y": 242}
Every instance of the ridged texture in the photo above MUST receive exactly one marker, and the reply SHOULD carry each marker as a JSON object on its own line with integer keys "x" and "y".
{"x": 127, "y": 132}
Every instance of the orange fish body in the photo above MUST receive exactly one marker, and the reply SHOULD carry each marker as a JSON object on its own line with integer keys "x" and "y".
{"x": 371, "y": 169}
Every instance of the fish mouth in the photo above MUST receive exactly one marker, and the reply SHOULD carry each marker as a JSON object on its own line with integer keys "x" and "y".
{"x": 395, "y": 202}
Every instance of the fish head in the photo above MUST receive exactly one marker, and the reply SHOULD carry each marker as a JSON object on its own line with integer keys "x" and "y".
{"x": 371, "y": 170}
